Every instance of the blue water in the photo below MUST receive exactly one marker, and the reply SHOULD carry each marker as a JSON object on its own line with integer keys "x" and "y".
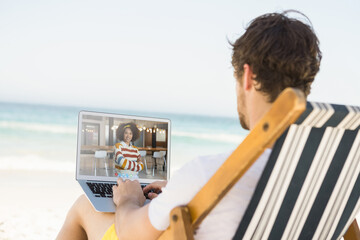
{"x": 44, "y": 137}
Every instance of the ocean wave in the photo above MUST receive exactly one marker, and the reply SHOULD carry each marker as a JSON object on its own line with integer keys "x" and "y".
{"x": 38, "y": 127}
{"x": 215, "y": 137}
{"x": 34, "y": 162}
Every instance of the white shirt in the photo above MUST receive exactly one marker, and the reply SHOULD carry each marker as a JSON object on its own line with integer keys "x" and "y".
{"x": 224, "y": 219}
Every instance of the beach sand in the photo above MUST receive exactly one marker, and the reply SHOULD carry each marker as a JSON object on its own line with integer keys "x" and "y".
{"x": 34, "y": 204}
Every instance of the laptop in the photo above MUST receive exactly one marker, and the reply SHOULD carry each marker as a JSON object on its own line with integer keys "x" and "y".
{"x": 103, "y": 146}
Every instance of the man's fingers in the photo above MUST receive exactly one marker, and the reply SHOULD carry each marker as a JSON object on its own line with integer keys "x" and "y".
{"x": 147, "y": 188}
{"x": 119, "y": 181}
{"x": 152, "y": 195}
{"x": 150, "y": 187}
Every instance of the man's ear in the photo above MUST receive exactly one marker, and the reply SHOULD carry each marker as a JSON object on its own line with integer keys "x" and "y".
{"x": 247, "y": 77}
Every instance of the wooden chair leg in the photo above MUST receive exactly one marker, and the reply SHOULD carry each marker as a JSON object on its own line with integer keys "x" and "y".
{"x": 353, "y": 232}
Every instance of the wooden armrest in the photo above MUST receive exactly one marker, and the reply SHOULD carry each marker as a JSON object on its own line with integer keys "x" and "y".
{"x": 353, "y": 232}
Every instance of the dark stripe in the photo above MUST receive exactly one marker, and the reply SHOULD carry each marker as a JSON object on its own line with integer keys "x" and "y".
{"x": 305, "y": 114}
{"x": 349, "y": 208}
{"x": 328, "y": 185}
{"x": 297, "y": 182}
{"x": 340, "y": 113}
{"x": 244, "y": 223}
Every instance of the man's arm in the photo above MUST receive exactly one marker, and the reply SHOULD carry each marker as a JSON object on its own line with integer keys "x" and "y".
{"x": 131, "y": 217}
{"x": 133, "y": 220}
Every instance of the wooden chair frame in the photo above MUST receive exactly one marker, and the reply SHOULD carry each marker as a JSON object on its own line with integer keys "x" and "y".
{"x": 285, "y": 111}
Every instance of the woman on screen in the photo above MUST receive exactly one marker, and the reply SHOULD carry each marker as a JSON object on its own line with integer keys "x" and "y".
{"x": 127, "y": 157}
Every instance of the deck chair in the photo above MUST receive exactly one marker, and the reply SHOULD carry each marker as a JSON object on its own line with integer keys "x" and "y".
{"x": 310, "y": 186}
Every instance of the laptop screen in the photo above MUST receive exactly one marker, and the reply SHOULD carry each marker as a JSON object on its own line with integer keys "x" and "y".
{"x": 112, "y": 146}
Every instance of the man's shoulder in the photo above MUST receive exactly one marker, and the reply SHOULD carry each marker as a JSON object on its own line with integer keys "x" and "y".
{"x": 208, "y": 165}
{"x": 215, "y": 159}
{"x": 204, "y": 165}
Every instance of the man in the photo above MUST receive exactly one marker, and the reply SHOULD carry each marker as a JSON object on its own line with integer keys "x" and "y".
{"x": 275, "y": 52}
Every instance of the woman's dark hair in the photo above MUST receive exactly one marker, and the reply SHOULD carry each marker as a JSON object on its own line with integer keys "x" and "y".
{"x": 121, "y": 129}
{"x": 281, "y": 51}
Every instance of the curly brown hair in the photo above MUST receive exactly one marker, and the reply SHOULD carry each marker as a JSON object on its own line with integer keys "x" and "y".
{"x": 281, "y": 51}
{"x": 121, "y": 129}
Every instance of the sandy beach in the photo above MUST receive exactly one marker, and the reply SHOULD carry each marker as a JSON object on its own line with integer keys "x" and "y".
{"x": 34, "y": 203}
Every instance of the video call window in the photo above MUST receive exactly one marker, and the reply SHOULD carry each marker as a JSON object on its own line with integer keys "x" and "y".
{"x": 123, "y": 147}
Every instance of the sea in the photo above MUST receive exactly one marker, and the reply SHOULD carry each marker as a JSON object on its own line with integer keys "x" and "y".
{"x": 43, "y": 137}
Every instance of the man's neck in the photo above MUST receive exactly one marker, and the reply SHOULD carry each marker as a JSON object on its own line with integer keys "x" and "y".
{"x": 259, "y": 107}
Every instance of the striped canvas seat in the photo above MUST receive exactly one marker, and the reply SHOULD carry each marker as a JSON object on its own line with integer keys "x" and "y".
{"x": 310, "y": 186}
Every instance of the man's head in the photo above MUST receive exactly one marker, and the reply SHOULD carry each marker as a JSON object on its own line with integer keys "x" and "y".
{"x": 275, "y": 52}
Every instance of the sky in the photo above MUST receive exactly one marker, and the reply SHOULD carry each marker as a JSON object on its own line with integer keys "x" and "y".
{"x": 157, "y": 56}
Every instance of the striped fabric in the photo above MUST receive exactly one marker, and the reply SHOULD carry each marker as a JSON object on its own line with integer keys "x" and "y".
{"x": 310, "y": 186}
{"x": 126, "y": 158}
{"x": 330, "y": 115}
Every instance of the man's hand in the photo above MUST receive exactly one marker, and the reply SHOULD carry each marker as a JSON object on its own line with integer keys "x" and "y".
{"x": 131, "y": 213}
{"x": 155, "y": 189}
{"x": 128, "y": 191}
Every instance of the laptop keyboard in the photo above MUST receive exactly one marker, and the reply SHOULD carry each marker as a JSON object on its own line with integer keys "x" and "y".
{"x": 103, "y": 189}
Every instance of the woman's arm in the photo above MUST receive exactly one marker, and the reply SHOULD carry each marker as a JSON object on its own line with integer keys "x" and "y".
{"x": 124, "y": 163}
{"x": 119, "y": 158}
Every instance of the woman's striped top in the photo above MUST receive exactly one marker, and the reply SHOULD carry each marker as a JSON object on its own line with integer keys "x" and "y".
{"x": 127, "y": 159}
